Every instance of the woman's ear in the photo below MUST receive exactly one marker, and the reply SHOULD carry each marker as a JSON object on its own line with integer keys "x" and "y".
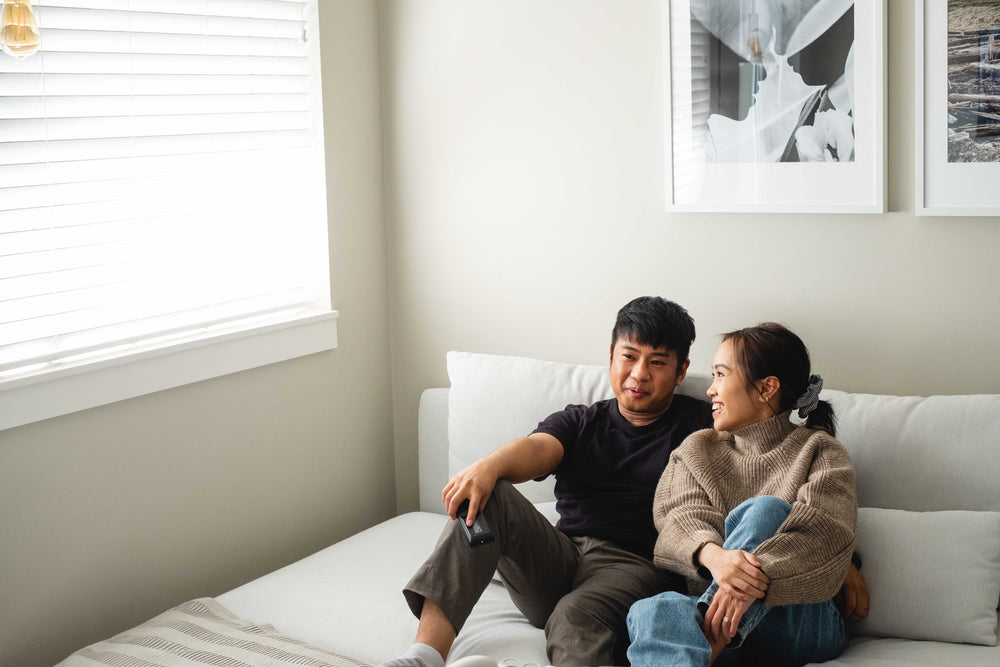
{"x": 769, "y": 388}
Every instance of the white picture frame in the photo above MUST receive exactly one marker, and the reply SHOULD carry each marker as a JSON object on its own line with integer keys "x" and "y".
{"x": 943, "y": 188}
{"x": 699, "y": 180}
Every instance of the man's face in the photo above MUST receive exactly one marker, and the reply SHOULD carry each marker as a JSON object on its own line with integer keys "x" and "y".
{"x": 643, "y": 379}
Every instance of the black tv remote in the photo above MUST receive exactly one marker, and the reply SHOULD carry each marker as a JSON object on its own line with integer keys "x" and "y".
{"x": 479, "y": 532}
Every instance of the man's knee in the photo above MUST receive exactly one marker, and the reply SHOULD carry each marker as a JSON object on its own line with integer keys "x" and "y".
{"x": 503, "y": 491}
{"x": 504, "y": 499}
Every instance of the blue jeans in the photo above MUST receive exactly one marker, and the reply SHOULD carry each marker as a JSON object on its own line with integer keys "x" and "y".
{"x": 666, "y": 629}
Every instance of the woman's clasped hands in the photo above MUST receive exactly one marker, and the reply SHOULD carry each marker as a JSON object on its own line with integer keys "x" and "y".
{"x": 740, "y": 579}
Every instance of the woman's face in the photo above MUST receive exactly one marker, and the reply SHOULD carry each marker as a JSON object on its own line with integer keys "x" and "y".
{"x": 733, "y": 406}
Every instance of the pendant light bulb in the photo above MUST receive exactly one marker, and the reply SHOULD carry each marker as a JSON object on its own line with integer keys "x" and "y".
{"x": 19, "y": 32}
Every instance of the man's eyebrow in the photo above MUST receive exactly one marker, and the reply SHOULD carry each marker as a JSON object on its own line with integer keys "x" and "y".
{"x": 657, "y": 353}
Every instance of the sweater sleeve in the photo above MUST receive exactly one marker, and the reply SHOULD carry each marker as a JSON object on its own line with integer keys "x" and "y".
{"x": 807, "y": 559}
{"x": 684, "y": 514}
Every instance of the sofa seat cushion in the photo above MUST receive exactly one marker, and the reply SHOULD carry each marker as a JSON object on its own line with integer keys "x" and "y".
{"x": 349, "y": 598}
{"x": 876, "y": 652}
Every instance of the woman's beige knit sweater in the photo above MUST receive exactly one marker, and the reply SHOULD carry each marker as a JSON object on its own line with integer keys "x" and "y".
{"x": 712, "y": 472}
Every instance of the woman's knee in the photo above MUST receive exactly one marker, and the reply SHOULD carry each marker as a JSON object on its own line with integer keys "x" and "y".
{"x": 762, "y": 505}
{"x": 768, "y": 512}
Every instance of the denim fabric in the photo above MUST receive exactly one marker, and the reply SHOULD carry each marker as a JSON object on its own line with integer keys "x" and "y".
{"x": 666, "y": 629}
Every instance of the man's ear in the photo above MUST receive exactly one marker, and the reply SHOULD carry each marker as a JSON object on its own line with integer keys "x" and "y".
{"x": 682, "y": 371}
{"x": 611, "y": 352}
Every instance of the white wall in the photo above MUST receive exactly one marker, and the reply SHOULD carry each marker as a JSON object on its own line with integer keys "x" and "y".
{"x": 110, "y": 516}
{"x": 525, "y": 202}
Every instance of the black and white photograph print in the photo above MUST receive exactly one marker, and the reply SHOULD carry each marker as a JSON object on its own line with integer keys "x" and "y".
{"x": 973, "y": 81}
{"x": 776, "y": 80}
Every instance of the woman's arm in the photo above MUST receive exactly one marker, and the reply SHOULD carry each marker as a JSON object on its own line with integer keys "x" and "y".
{"x": 807, "y": 559}
{"x": 684, "y": 514}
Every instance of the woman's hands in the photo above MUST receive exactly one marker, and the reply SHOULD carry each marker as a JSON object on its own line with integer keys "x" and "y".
{"x": 740, "y": 581}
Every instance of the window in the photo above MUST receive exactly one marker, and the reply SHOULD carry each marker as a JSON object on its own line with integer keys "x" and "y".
{"x": 162, "y": 199}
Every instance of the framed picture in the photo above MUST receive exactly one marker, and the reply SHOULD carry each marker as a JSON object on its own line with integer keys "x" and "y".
{"x": 958, "y": 107}
{"x": 775, "y": 105}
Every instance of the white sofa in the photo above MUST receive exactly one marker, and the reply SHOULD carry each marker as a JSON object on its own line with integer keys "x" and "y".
{"x": 929, "y": 527}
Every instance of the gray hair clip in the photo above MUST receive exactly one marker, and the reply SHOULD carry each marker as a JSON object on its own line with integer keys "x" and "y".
{"x": 809, "y": 399}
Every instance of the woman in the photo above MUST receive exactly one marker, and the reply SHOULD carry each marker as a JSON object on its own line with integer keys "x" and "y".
{"x": 760, "y": 516}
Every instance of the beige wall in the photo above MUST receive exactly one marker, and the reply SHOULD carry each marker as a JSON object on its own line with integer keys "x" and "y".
{"x": 525, "y": 202}
{"x": 109, "y": 516}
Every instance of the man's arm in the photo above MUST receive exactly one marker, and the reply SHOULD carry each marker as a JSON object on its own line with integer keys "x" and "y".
{"x": 853, "y": 596}
{"x": 518, "y": 461}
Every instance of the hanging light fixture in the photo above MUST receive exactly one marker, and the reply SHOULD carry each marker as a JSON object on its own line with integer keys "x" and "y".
{"x": 19, "y": 32}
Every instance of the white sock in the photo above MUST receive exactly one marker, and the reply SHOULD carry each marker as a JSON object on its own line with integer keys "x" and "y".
{"x": 418, "y": 655}
{"x": 426, "y": 654}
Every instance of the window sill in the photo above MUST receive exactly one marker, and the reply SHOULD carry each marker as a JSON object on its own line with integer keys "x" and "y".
{"x": 55, "y": 391}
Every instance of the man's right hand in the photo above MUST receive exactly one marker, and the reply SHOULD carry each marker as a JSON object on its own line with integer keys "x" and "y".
{"x": 517, "y": 461}
{"x": 474, "y": 483}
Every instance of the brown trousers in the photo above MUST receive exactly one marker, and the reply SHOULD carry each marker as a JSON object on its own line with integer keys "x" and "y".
{"x": 578, "y": 589}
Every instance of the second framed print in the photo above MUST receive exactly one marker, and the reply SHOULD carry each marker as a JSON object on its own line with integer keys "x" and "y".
{"x": 958, "y": 107}
{"x": 775, "y": 105}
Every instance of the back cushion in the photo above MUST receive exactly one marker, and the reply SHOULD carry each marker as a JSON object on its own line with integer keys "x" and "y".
{"x": 495, "y": 399}
{"x": 922, "y": 454}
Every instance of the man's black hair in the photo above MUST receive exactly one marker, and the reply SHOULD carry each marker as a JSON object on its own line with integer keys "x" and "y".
{"x": 654, "y": 321}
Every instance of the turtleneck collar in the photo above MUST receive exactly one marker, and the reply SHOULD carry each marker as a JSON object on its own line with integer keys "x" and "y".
{"x": 763, "y": 436}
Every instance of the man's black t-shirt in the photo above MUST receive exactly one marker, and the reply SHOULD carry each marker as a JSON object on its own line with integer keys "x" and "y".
{"x": 610, "y": 468}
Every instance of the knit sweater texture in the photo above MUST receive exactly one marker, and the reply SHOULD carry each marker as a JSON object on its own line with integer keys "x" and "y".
{"x": 712, "y": 472}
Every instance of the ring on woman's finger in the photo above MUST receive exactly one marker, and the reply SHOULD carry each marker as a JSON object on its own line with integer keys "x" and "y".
{"x": 726, "y": 619}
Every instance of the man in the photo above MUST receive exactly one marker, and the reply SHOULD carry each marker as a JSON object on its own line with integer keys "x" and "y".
{"x": 578, "y": 579}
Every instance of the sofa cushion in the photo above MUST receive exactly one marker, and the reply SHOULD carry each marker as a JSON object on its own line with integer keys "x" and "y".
{"x": 931, "y": 575}
{"x": 495, "y": 399}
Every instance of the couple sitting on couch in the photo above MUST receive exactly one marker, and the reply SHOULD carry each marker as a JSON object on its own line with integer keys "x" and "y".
{"x": 757, "y": 515}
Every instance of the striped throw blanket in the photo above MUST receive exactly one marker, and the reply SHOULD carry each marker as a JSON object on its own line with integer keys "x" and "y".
{"x": 203, "y": 632}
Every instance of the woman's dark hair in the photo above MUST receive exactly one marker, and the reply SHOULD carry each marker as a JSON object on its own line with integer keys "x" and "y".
{"x": 771, "y": 349}
{"x": 654, "y": 321}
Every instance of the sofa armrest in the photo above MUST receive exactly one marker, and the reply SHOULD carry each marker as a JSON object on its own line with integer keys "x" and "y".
{"x": 432, "y": 447}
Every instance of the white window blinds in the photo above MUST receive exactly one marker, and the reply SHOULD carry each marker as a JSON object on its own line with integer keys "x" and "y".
{"x": 161, "y": 176}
